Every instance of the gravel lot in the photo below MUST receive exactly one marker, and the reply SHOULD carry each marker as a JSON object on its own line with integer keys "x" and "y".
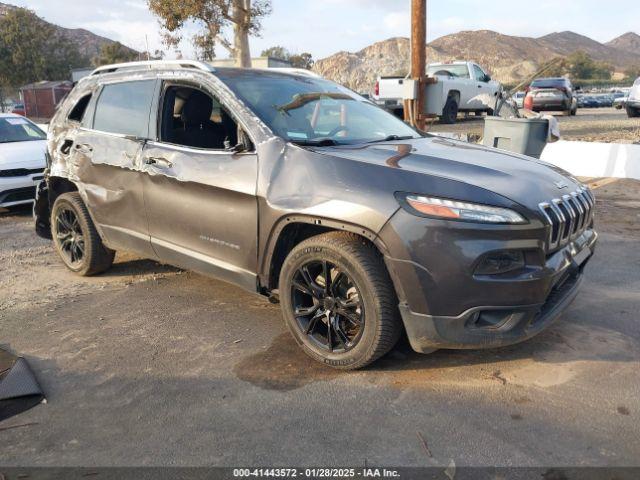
{"x": 591, "y": 124}
{"x": 149, "y": 365}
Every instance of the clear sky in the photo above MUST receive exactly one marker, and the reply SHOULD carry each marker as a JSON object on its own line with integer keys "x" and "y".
{"x": 323, "y": 27}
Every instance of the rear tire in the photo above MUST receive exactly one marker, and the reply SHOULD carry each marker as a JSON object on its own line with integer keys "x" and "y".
{"x": 359, "y": 287}
{"x": 76, "y": 239}
{"x": 450, "y": 112}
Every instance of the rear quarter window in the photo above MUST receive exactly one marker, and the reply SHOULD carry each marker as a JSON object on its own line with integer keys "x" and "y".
{"x": 79, "y": 109}
{"x": 124, "y": 108}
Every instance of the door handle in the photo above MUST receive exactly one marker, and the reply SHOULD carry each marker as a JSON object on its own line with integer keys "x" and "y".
{"x": 158, "y": 162}
{"x": 84, "y": 146}
{"x": 65, "y": 148}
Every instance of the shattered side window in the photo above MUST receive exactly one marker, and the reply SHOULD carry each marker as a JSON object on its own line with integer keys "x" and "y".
{"x": 124, "y": 108}
{"x": 80, "y": 108}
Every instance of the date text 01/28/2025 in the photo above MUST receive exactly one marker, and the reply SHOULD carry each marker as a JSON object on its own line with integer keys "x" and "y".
{"x": 316, "y": 472}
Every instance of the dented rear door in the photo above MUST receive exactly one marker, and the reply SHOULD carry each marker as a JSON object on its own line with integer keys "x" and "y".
{"x": 110, "y": 166}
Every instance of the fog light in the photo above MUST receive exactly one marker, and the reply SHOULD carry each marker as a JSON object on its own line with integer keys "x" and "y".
{"x": 500, "y": 262}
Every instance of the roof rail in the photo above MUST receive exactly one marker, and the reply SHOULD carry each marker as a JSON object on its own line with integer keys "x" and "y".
{"x": 153, "y": 64}
{"x": 297, "y": 71}
{"x": 290, "y": 71}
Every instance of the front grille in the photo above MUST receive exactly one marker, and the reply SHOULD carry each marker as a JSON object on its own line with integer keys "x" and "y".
{"x": 568, "y": 216}
{"x": 20, "y": 172}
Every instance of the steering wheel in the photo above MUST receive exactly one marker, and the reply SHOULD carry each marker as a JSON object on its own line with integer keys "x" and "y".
{"x": 337, "y": 130}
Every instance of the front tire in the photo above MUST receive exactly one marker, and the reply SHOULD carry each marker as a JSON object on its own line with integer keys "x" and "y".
{"x": 633, "y": 112}
{"x": 338, "y": 300}
{"x": 75, "y": 237}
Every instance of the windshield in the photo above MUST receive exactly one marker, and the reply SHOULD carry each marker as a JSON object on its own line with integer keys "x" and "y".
{"x": 18, "y": 129}
{"x": 442, "y": 69}
{"x": 309, "y": 110}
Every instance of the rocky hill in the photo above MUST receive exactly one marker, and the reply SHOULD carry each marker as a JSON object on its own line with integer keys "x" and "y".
{"x": 566, "y": 43}
{"x": 508, "y": 58}
{"x": 629, "y": 42}
{"x": 88, "y": 43}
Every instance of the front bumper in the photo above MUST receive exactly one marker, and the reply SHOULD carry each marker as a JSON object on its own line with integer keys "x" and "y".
{"x": 505, "y": 325}
{"x": 18, "y": 190}
{"x": 445, "y": 305}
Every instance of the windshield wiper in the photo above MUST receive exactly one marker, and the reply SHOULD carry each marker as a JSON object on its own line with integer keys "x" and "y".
{"x": 323, "y": 142}
{"x": 391, "y": 138}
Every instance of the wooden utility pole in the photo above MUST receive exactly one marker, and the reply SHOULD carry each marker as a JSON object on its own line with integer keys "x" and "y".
{"x": 419, "y": 56}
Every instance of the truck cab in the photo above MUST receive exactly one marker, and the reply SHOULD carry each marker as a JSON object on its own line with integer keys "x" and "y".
{"x": 460, "y": 87}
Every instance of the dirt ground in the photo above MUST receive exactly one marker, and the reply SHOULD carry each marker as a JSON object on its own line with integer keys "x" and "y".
{"x": 149, "y": 365}
{"x": 591, "y": 124}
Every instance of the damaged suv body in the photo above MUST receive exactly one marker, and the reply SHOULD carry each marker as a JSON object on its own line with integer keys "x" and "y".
{"x": 296, "y": 188}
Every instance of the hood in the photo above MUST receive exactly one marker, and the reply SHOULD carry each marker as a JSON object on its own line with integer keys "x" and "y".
{"x": 524, "y": 180}
{"x": 23, "y": 154}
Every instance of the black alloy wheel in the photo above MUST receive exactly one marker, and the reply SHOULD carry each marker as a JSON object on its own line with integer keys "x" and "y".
{"x": 327, "y": 306}
{"x": 338, "y": 300}
{"x": 75, "y": 237}
{"x": 69, "y": 236}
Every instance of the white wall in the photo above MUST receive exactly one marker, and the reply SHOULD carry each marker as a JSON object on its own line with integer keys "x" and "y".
{"x": 592, "y": 159}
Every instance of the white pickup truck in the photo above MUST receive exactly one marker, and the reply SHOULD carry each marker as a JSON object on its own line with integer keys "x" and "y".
{"x": 460, "y": 87}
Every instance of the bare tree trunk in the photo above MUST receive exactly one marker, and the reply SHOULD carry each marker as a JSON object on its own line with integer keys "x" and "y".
{"x": 242, "y": 20}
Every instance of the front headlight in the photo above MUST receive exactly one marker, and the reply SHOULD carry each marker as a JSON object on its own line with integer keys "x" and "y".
{"x": 456, "y": 210}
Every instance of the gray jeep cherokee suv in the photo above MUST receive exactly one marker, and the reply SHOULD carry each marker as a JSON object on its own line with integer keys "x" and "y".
{"x": 294, "y": 187}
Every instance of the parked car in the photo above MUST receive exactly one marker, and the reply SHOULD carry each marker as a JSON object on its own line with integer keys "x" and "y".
{"x": 552, "y": 94}
{"x": 632, "y": 104}
{"x": 620, "y": 102}
{"x": 18, "y": 109}
{"x": 518, "y": 97}
{"x": 22, "y": 159}
{"x": 297, "y": 188}
{"x": 460, "y": 87}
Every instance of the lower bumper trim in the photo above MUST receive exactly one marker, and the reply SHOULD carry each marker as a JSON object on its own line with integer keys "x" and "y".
{"x": 508, "y": 325}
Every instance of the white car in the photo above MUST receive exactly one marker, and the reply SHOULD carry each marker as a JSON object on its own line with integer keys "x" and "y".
{"x": 518, "y": 97}
{"x": 22, "y": 159}
{"x": 633, "y": 102}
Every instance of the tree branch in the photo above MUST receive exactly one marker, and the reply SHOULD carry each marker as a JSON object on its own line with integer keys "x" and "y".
{"x": 226, "y": 44}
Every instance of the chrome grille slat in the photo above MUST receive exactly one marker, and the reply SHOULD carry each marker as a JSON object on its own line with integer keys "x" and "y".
{"x": 583, "y": 208}
{"x": 572, "y": 213}
{"x": 567, "y": 217}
